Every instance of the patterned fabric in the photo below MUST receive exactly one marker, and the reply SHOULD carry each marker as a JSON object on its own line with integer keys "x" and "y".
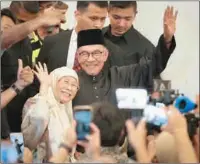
{"x": 117, "y": 153}
{"x": 45, "y": 120}
{"x": 112, "y": 152}
{"x": 76, "y": 66}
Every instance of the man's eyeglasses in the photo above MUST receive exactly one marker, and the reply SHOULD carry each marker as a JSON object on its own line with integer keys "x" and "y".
{"x": 95, "y": 54}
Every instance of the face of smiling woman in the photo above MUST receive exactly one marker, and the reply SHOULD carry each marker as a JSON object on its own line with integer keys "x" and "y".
{"x": 66, "y": 89}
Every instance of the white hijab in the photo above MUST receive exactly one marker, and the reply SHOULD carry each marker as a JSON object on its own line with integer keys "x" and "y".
{"x": 55, "y": 76}
{"x": 62, "y": 112}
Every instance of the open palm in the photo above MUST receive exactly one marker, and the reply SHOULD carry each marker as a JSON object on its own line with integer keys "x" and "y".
{"x": 42, "y": 74}
{"x": 169, "y": 23}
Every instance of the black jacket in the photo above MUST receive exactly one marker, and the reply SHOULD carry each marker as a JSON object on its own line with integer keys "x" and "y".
{"x": 9, "y": 66}
{"x": 135, "y": 46}
{"x": 54, "y": 51}
{"x": 103, "y": 86}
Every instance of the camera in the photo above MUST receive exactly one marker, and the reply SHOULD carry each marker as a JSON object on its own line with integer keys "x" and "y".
{"x": 192, "y": 124}
{"x": 182, "y": 103}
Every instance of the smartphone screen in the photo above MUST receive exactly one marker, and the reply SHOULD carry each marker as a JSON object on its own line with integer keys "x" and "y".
{"x": 18, "y": 142}
{"x": 8, "y": 153}
{"x": 83, "y": 119}
{"x": 13, "y": 151}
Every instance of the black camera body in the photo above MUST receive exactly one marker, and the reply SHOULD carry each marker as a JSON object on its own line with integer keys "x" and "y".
{"x": 192, "y": 124}
{"x": 168, "y": 97}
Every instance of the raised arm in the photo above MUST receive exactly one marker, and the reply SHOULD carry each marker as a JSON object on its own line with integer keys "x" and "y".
{"x": 177, "y": 126}
{"x": 18, "y": 32}
{"x": 166, "y": 43}
{"x": 34, "y": 121}
{"x": 36, "y": 111}
{"x": 24, "y": 78}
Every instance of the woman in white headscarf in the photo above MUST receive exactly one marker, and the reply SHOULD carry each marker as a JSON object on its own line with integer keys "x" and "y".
{"x": 48, "y": 115}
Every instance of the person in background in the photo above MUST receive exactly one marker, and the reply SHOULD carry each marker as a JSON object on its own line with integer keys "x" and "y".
{"x": 177, "y": 126}
{"x": 24, "y": 78}
{"x": 16, "y": 45}
{"x": 47, "y": 115}
{"x": 89, "y": 15}
{"x": 122, "y": 32}
{"x": 27, "y": 10}
{"x": 8, "y": 20}
{"x": 111, "y": 124}
{"x": 42, "y": 32}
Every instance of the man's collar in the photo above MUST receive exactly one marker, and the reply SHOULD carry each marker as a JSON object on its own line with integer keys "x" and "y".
{"x": 94, "y": 79}
{"x": 127, "y": 36}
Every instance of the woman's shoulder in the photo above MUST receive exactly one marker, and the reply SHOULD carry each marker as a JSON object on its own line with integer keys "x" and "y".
{"x": 29, "y": 104}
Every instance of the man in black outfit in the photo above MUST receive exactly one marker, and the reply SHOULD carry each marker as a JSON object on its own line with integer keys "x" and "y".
{"x": 121, "y": 32}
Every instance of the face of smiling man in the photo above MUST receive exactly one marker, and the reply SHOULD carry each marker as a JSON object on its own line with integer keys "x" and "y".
{"x": 92, "y": 58}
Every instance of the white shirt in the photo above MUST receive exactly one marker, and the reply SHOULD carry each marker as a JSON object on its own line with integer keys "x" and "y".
{"x": 72, "y": 50}
{"x": 1, "y": 52}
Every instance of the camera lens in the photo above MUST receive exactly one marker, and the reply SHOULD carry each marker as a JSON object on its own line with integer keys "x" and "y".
{"x": 182, "y": 104}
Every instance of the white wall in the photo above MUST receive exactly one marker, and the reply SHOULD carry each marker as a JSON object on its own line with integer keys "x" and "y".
{"x": 183, "y": 66}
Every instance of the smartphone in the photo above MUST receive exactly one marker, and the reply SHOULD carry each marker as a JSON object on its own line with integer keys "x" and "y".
{"x": 8, "y": 153}
{"x": 155, "y": 115}
{"x": 128, "y": 98}
{"x": 83, "y": 117}
{"x": 13, "y": 151}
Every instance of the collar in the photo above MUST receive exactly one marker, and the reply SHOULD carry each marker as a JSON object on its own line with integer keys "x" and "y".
{"x": 127, "y": 36}
{"x": 96, "y": 78}
{"x": 107, "y": 33}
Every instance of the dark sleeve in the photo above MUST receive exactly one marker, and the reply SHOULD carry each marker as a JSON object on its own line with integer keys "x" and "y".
{"x": 5, "y": 129}
{"x": 116, "y": 54}
{"x": 137, "y": 75}
{"x": 44, "y": 54}
{"x": 162, "y": 55}
{"x": 43, "y": 57}
{"x": 163, "y": 48}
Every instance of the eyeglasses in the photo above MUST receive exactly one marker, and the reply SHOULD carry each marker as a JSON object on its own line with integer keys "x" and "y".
{"x": 73, "y": 86}
{"x": 95, "y": 54}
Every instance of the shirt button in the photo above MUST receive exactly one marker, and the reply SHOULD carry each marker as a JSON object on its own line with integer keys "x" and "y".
{"x": 97, "y": 97}
{"x": 94, "y": 78}
{"x": 95, "y": 88}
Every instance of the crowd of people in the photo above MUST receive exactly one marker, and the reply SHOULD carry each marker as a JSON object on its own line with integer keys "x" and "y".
{"x": 47, "y": 71}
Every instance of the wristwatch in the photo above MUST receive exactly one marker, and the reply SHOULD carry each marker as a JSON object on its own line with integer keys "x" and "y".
{"x": 16, "y": 89}
{"x": 66, "y": 147}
